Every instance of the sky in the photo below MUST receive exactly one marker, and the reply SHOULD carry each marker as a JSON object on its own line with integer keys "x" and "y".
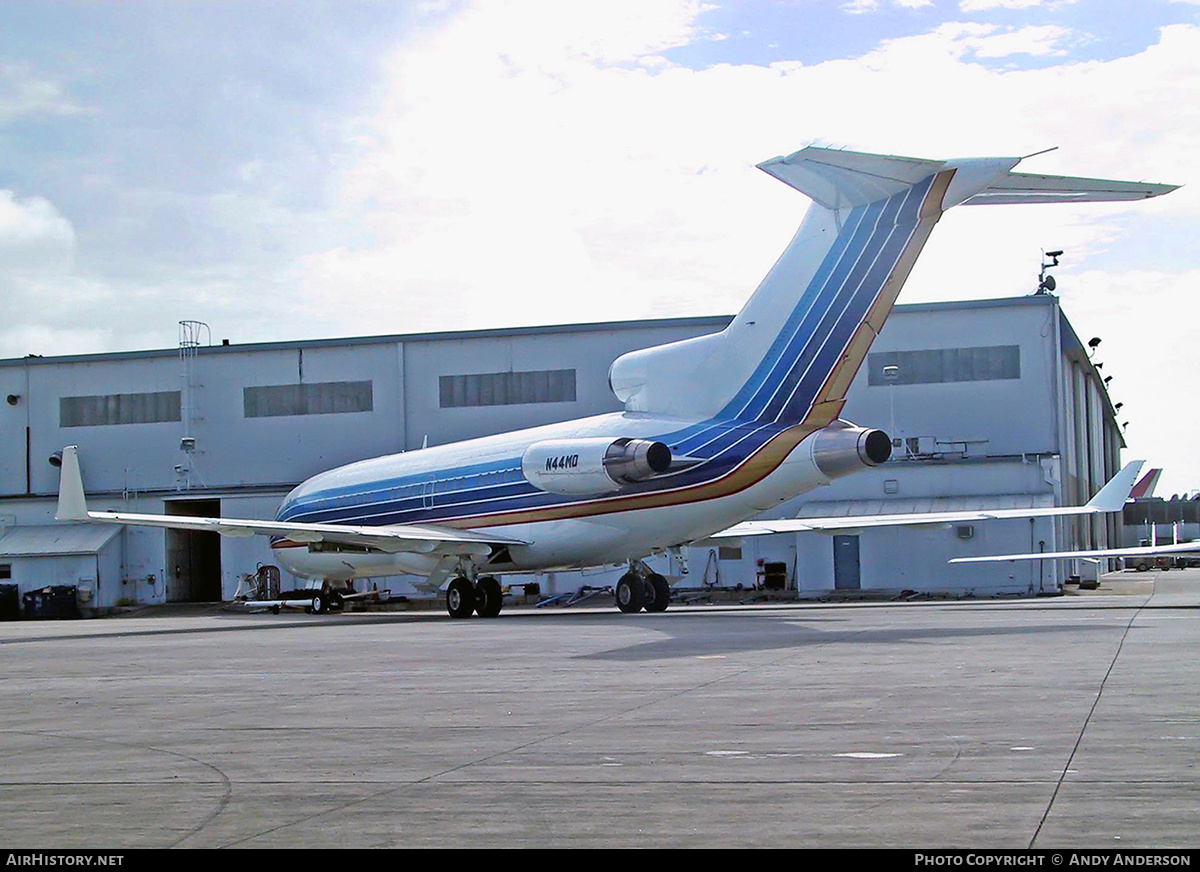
{"x": 301, "y": 170}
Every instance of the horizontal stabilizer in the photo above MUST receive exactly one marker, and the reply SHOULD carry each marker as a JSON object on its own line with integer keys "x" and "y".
{"x": 839, "y": 179}
{"x": 1032, "y": 188}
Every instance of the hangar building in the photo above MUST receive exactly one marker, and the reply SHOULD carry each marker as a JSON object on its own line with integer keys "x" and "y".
{"x": 990, "y": 403}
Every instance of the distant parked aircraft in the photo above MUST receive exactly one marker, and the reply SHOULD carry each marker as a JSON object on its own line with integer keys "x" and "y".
{"x": 1146, "y": 485}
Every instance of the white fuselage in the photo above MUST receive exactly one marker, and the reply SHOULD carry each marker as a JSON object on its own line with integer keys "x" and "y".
{"x": 560, "y": 532}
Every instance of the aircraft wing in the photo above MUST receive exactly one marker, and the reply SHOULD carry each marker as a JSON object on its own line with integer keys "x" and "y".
{"x": 419, "y": 538}
{"x": 1110, "y": 498}
{"x": 1136, "y": 551}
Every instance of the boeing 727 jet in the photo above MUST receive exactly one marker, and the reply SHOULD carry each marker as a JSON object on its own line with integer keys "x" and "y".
{"x": 715, "y": 430}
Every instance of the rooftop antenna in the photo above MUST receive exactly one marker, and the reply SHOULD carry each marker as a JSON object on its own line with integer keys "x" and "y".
{"x": 1046, "y": 283}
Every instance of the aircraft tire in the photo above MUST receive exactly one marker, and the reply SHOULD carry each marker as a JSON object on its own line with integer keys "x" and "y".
{"x": 319, "y": 604}
{"x": 460, "y": 598}
{"x": 489, "y": 598}
{"x": 658, "y": 593}
{"x": 630, "y": 593}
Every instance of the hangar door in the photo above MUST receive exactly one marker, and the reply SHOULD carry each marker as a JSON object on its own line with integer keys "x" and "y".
{"x": 193, "y": 566}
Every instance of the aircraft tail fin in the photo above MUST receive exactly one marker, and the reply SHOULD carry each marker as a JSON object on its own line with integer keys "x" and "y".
{"x": 1146, "y": 485}
{"x": 790, "y": 354}
{"x": 72, "y": 504}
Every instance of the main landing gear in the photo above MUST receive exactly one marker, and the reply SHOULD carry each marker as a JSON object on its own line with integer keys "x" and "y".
{"x": 483, "y": 598}
{"x": 642, "y": 590}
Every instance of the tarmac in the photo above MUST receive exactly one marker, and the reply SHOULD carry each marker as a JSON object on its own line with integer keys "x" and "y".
{"x": 1065, "y": 723}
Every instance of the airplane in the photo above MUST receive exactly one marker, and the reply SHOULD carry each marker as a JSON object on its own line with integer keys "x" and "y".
{"x": 1146, "y": 485}
{"x": 716, "y": 429}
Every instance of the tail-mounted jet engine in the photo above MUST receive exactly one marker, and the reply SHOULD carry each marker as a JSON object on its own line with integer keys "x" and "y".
{"x": 597, "y": 465}
{"x": 842, "y": 448}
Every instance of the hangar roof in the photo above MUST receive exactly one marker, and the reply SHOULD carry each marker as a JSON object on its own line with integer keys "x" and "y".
{"x": 717, "y": 322}
{"x": 56, "y": 540}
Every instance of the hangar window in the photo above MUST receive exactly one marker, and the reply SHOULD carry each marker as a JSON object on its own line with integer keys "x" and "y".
{"x": 5, "y": 571}
{"x": 507, "y": 388}
{"x": 320, "y": 398}
{"x": 98, "y": 411}
{"x": 942, "y": 365}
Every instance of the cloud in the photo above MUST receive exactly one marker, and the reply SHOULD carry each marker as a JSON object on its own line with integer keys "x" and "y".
{"x": 34, "y": 236}
{"x": 986, "y": 5}
{"x": 22, "y": 93}
{"x": 861, "y": 7}
{"x": 515, "y": 182}
{"x": 1033, "y": 40}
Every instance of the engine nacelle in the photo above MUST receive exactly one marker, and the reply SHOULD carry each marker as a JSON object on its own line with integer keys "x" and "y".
{"x": 597, "y": 465}
{"x": 841, "y": 448}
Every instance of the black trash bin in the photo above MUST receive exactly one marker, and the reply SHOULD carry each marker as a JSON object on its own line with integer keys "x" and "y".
{"x": 56, "y": 601}
{"x": 10, "y": 602}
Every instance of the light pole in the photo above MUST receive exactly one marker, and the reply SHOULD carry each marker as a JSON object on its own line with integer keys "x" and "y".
{"x": 890, "y": 375}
